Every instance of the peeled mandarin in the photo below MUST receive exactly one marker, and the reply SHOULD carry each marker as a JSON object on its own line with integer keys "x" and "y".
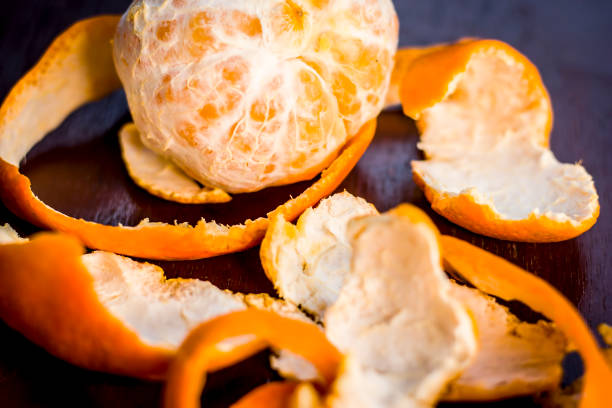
{"x": 242, "y": 95}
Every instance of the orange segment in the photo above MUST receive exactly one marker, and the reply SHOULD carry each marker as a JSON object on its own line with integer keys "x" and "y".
{"x": 27, "y": 115}
{"x": 485, "y": 118}
{"x": 500, "y": 278}
{"x": 228, "y": 339}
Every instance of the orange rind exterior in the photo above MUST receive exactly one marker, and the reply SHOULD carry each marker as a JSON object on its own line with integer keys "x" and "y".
{"x": 498, "y": 277}
{"x": 81, "y": 60}
{"x": 48, "y": 295}
{"x": 247, "y": 332}
{"x": 404, "y": 57}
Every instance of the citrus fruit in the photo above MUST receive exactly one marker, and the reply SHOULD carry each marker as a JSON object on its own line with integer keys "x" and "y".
{"x": 244, "y": 95}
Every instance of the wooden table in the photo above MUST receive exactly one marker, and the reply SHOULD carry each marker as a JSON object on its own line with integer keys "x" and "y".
{"x": 77, "y": 169}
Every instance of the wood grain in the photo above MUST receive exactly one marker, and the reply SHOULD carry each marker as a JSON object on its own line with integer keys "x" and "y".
{"x": 77, "y": 170}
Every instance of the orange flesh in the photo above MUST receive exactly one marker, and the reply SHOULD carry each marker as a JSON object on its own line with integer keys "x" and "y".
{"x": 244, "y": 334}
{"x": 500, "y": 278}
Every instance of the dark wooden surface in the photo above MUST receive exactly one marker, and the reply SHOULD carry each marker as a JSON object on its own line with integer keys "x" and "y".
{"x": 77, "y": 169}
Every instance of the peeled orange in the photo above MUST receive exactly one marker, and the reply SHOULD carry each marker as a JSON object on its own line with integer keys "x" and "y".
{"x": 243, "y": 95}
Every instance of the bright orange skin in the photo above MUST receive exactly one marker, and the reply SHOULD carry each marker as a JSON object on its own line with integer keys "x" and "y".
{"x": 439, "y": 65}
{"x": 165, "y": 241}
{"x": 404, "y": 57}
{"x": 154, "y": 240}
{"x": 200, "y": 352}
{"x": 47, "y": 294}
{"x": 500, "y": 278}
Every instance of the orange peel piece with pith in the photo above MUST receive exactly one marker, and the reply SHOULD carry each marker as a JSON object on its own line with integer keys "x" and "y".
{"x": 500, "y": 278}
{"x": 485, "y": 118}
{"x": 159, "y": 176}
{"x": 76, "y": 69}
{"x": 229, "y": 339}
{"x": 105, "y": 312}
{"x": 403, "y": 333}
{"x": 310, "y": 262}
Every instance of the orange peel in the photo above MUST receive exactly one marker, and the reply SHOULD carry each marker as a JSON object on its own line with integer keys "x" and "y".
{"x": 159, "y": 176}
{"x": 514, "y": 358}
{"x": 485, "y": 119}
{"x": 105, "y": 312}
{"x": 228, "y": 339}
{"x": 403, "y": 58}
{"x": 404, "y": 335}
{"x": 80, "y": 61}
{"x": 310, "y": 262}
{"x": 500, "y": 278}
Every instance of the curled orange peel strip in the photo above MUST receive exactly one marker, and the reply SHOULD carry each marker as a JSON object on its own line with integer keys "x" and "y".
{"x": 233, "y": 337}
{"x": 78, "y": 68}
{"x": 47, "y": 294}
{"x": 500, "y": 278}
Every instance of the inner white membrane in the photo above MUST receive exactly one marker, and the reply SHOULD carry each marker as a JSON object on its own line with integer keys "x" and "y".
{"x": 162, "y": 311}
{"x": 513, "y": 358}
{"x": 487, "y": 139}
{"x": 404, "y": 335}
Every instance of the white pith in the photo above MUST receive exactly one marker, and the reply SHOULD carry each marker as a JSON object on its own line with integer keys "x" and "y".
{"x": 488, "y": 139}
{"x": 161, "y": 312}
{"x": 404, "y": 335}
